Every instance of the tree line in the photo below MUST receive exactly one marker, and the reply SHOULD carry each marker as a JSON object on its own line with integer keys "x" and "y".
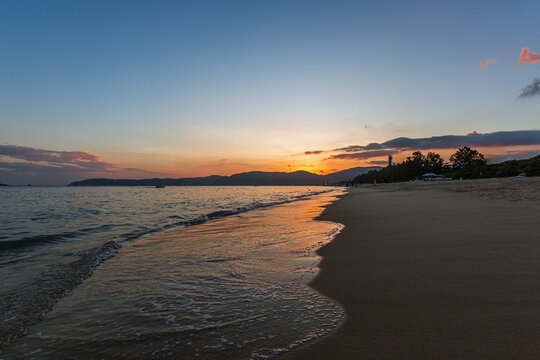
{"x": 465, "y": 163}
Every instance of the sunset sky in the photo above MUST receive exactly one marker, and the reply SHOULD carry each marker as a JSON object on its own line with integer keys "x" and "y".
{"x": 139, "y": 89}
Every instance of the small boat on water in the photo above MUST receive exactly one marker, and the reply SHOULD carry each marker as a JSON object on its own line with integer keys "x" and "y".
{"x": 159, "y": 186}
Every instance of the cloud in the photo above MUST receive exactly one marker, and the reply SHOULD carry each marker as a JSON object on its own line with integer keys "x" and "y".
{"x": 361, "y": 155}
{"x": 531, "y": 89}
{"x": 487, "y": 62}
{"x": 501, "y": 138}
{"x": 300, "y": 165}
{"x": 21, "y": 165}
{"x": 60, "y": 158}
{"x": 313, "y": 152}
{"x": 353, "y": 148}
{"x": 474, "y": 138}
{"x": 377, "y": 162}
{"x": 528, "y": 57}
{"x": 512, "y": 155}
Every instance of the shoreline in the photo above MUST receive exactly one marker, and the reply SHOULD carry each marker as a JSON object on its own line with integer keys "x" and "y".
{"x": 247, "y": 271}
{"x": 433, "y": 270}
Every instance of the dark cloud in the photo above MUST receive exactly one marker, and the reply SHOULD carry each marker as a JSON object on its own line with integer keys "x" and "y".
{"x": 501, "y": 138}
{"x": 21, "y": 165}
{"x": 378, "y": 162}
{"x": 313, "y": 152}
{"x": 361, "y": 155}
{"x": 512, "y": 155}
{"x": 353, "y": 148}
{"x": 531, "y": 89}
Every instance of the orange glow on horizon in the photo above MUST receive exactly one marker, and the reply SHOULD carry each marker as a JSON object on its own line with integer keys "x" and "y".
{"x": 178, "y": 166}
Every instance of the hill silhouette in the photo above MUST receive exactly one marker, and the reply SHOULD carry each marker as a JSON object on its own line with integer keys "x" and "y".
{"x": 245, "y": 178}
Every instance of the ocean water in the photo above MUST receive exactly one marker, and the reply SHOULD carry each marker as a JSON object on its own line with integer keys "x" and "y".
{"x": 180, "y": 272}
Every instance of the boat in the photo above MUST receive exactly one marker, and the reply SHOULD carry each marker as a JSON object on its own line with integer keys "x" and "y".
{"x": 159, "y": 186}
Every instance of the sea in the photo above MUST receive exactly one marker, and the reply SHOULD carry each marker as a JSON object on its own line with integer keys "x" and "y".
{"x": 172, "y": 273}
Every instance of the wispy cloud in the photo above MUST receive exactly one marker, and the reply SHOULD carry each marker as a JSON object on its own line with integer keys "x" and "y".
{"x": 531, "y": 89}
{"x": 313, "y": 152}
{"x": 487, "y": 62}
{"x": 378, "y": 162}
{"x": 528, "y": 57}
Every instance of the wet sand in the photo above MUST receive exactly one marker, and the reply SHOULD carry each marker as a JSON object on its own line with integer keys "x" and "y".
{"x": 445, "y": 270}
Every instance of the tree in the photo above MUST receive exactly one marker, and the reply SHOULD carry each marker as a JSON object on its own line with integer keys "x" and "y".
{"x": 433, "y": 162}
{"x": 417, "y": 157}
{"x": 414, "y": 165}
{"x": 466, "y": 158}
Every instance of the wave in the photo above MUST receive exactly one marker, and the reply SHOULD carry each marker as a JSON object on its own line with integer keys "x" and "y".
{"x": 38, "y": 240}
{"x": 32, "y": 241}
{"x": 27, "y": 305}
{"x": 201, "y": 219}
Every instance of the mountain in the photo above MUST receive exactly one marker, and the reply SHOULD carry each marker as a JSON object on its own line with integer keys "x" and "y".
{"x": 246, "y": 178}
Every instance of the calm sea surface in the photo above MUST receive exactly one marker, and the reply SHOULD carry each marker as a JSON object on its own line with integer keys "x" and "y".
{"x": 180, "y": 272}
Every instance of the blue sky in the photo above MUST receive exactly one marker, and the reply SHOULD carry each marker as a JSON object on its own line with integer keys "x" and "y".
{"x": 178, "y": 87}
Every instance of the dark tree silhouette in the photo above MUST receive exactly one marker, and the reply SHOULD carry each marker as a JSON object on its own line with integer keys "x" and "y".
{"x": 466, "y": 158}
{"x": 416, "y": 163}
{"x": 412, "y": 168}
{"x": 417, "y": 157}
{"x": 433, "y": 162}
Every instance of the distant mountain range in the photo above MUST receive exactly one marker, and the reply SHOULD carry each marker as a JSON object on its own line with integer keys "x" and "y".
{"x": 246, "y": 178}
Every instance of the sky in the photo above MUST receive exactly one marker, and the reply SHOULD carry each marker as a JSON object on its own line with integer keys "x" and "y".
{"x": 134, "y": 89}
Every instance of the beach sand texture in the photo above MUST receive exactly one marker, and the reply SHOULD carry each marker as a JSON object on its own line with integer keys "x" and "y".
{"x": 446, "y": 270}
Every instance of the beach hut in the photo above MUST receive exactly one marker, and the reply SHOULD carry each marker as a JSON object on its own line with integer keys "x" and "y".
{"x": 433, "y": 177}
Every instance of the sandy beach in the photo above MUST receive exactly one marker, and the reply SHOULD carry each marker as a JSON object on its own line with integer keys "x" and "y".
{"x": 446, "y": 270}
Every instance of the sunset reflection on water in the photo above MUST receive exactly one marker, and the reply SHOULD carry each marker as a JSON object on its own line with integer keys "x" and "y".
{"x": 233, "y": 287}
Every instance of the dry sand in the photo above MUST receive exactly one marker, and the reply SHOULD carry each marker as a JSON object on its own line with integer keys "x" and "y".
{"x": 445, "y": 270}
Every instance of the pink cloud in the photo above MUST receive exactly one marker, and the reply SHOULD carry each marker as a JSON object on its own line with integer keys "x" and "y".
{"x": 22, "y": 165}
{"x": 78, "y": 155}
{"x": 487, "y": 62}
{"x": 527, "y": 57}
{"x": 79, "y": 159}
